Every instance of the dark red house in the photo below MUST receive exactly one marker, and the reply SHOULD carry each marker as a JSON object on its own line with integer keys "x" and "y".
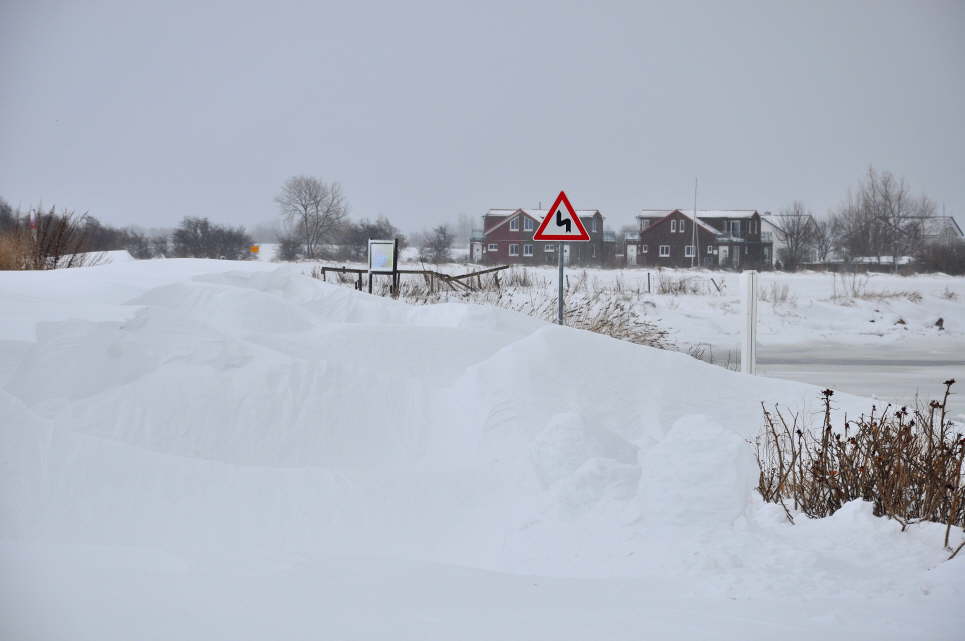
{"x": 729, "y": 239}
{"x": 507, "y": 238}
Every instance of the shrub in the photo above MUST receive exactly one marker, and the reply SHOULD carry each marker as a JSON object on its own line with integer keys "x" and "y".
{"x": 908, "y": 463}
{"x": 289, "y": 248}
{"x": 199, "y": 238}
{"x": 680, "y": 285}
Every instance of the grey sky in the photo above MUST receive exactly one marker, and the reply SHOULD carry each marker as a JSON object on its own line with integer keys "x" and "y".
{"x": 145, "y": 112}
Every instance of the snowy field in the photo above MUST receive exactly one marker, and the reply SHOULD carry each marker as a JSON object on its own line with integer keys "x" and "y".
{"x": 196, "y": 449}
{"x": 873, "y": 335}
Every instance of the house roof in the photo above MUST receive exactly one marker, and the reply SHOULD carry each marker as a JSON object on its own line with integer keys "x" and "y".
{"x": 666, "y": 214}
{"x": 536, "y": 214}
{"x": 701, "y": 213}
{"x": 938, "y": 225}
{"x": 776, "y": 220}
{"x": 539, "y": 214}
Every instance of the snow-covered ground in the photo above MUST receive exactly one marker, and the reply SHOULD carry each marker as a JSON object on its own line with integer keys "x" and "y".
{"x": 873, "y": 335}
{"x": 200, "y": 449}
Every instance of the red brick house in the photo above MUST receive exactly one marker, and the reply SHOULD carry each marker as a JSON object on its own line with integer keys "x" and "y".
{"x": 507, "y": 238}
{"x": 728, "y": 239}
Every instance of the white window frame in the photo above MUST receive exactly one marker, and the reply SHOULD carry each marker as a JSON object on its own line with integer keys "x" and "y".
{"x": 682, "y": 227}
{"x": 710, "y": 249}
{"x": 644, "y": 249}
{"x": 549, "y": 248}
{"x": 664, "y": 251}
{"x": 673, "y": 226}
{"x": 689, "y": 251}
{"x": 593, "y": 224}
{"x": 514, "y": 224}
{"x": 528, "y": 224}
{"x": 733, "y": 223}
{"x": 514, "y": 249}
{"x": 527, "y": 249}
{"x": 492, "y": 247}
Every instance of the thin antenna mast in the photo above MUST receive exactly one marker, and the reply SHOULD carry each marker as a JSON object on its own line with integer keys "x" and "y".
{"x": 693, "y": 238}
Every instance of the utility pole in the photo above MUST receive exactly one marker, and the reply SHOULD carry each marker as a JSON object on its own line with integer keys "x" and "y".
{"x": 693, "y": 238}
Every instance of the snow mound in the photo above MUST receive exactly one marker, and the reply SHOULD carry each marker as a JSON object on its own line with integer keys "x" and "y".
{"x": 240, "y": 412}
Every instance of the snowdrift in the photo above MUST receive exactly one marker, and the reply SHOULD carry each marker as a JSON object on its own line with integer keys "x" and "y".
{"x": 177, "y": 414}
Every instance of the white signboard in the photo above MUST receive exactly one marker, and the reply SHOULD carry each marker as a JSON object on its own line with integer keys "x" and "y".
{"x": 382, "y": 256}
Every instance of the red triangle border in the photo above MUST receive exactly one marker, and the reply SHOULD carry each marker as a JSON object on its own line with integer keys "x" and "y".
{"x": 539, "y": 235}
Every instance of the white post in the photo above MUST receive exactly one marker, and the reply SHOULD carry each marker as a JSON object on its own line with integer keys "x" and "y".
{"x": 749, "y": 346}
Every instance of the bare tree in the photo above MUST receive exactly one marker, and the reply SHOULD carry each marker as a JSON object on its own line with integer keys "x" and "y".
{"x": 796, "y": 230}
{"x": 824, "y": 234}
{"x": 354, "y": 239}
{"x": 438, "y": 245}
{"x": 882, "y": 218}
{"x": 313, "y": 210}
{"x": 159, "y": 245}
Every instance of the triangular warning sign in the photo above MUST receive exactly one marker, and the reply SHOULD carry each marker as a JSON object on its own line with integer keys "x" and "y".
{"x": 561, "y": 222}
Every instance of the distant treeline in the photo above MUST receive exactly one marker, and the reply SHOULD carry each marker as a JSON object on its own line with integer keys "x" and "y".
{"x": 49, "y": 239}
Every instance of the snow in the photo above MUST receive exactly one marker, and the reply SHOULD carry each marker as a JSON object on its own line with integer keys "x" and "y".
{"x": 881, "y": 343}
{"x": 199, "y": 449}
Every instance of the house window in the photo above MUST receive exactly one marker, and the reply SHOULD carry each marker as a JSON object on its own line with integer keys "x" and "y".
{"x": 493, "y": 247}
{"x": 513, "y": 249}
{"x": 593, "y": 254}
{"x": 549, "y": 248}
{"x": 593, "y": 224}
{"x": 644, "y": 249}
{"x": 710, "y": 249}
{"x": 527, "y": 249}
{"x": 735, "y": 228}
{"x": 688, "y": 251}
{"x": 528, "y": 224}
{"x": 644, "y": 223}
{"x": 664, "y": 251}
{"x": 514, "y": 224}
{"x": 683, "y": 226}
{"x": 673, "y": 226}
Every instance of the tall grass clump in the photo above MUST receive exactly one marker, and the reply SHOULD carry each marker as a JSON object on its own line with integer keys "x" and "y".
{"x": 907, "y": 463}
{"x": 45, "y": 240}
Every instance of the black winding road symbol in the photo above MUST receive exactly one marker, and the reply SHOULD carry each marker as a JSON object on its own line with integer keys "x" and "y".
{"x": 563, "y": 223}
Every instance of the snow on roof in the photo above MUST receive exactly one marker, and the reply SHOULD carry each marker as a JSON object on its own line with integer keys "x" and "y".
{"x": 661, "y": 213}
{"x": 540, "y": 214}
{"x": 536, "y": 214}
{"x": 701, "y": 213}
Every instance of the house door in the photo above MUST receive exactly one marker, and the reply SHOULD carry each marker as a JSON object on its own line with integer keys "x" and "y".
{"x": 475, "y": 252}
{"x": 631, "y": 254}
{"x": 722, "y": 255}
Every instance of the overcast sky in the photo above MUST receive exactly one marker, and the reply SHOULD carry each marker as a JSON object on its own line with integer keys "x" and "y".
{"x": 144, "y": 112}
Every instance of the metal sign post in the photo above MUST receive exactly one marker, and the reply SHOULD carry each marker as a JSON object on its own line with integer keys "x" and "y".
{"x": 561, "y": 224}
{"x": 559, "y": 313}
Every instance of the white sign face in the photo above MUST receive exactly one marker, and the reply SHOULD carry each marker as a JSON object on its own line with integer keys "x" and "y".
{"x": 561, "y": 223}
{"x": 381, "y": 255}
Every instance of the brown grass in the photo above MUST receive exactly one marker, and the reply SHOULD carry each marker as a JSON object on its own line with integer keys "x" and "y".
{"x": 908, "y": 463}
{"x": 46, "y": 240}
{"x": 13, "y": 250}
